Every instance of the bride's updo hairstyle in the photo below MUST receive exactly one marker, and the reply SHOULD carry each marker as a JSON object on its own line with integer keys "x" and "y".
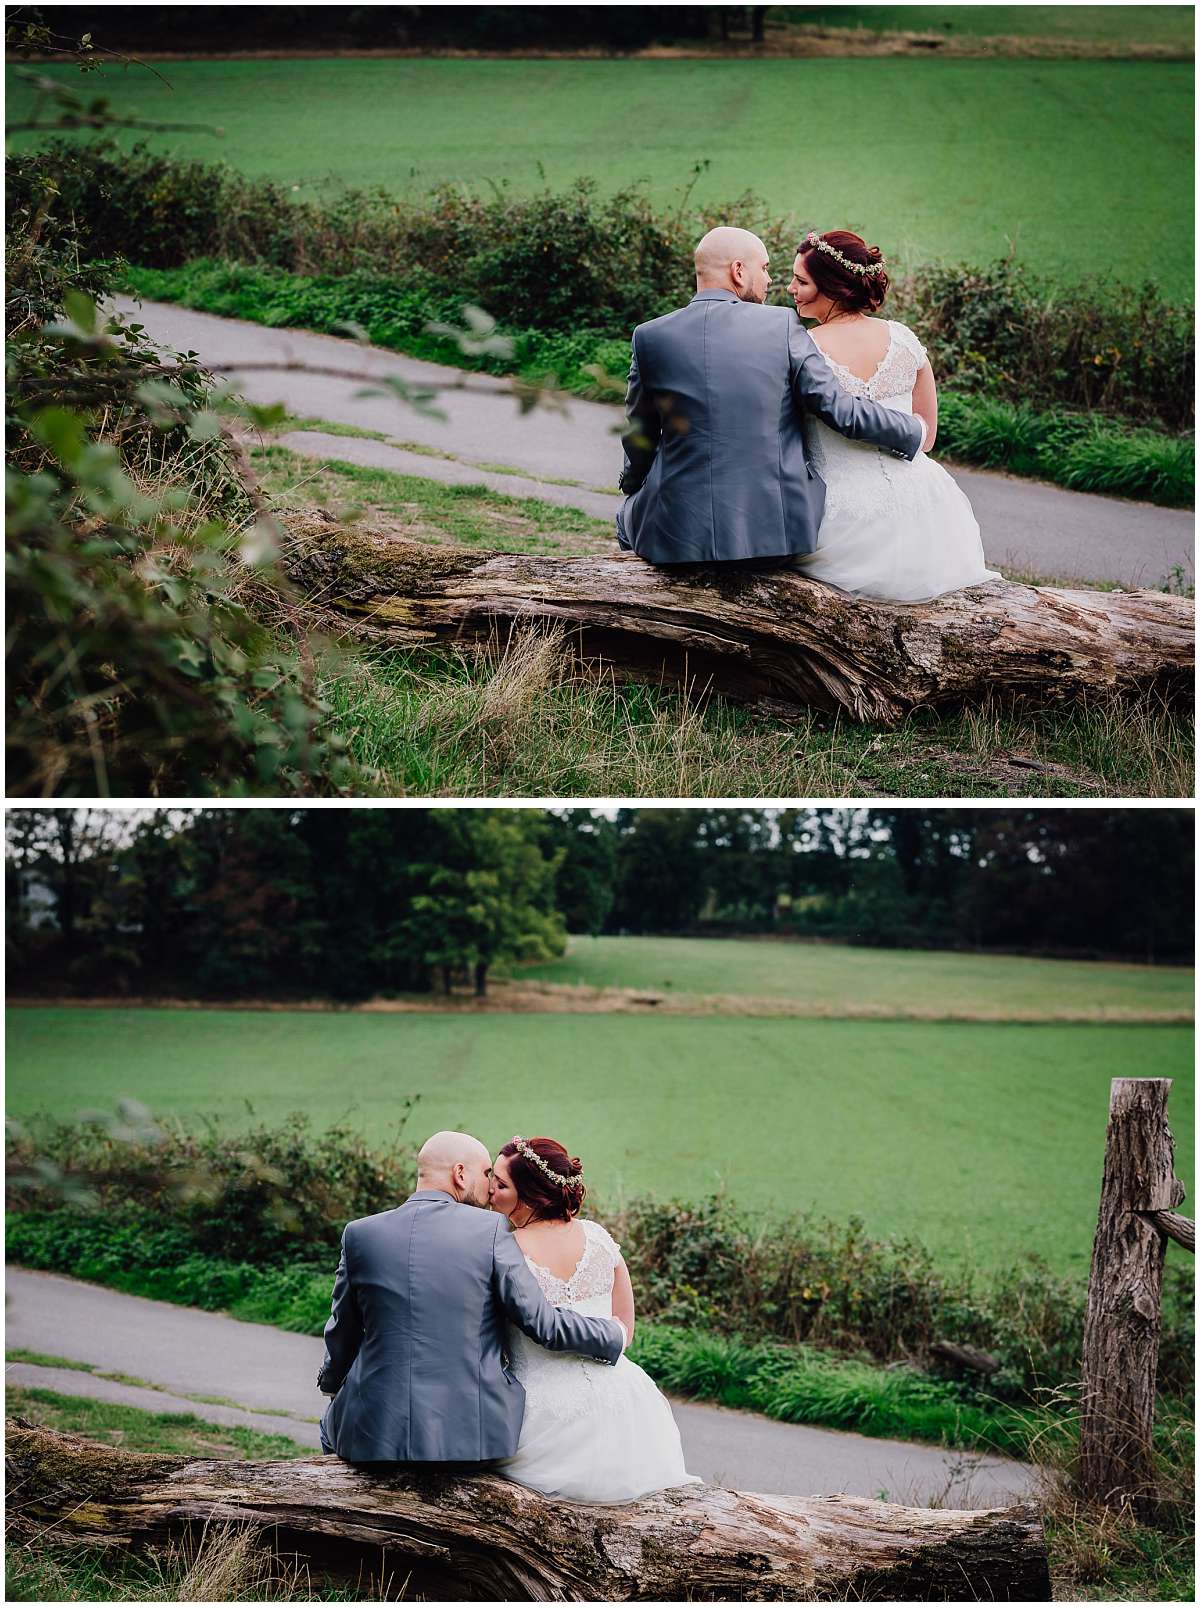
{"x": 853, "y": 292}
{"x": 549, "y": 1200}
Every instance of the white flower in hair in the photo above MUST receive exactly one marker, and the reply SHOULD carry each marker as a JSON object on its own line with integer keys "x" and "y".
{"x": 532, "y": 1156}
{"x": 868, "y": 269}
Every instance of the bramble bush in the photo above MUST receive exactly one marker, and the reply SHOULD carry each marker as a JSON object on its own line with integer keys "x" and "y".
{"x": 261, "y": 1196}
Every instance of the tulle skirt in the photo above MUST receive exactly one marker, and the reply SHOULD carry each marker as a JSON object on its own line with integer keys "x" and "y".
{"x": 891, "y": 529}
{"x": 594, "y": 1433}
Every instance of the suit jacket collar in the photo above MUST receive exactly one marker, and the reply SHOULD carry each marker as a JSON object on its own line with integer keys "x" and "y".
{"x": 432, "y": 1194}
{"x": 715, "y": 295}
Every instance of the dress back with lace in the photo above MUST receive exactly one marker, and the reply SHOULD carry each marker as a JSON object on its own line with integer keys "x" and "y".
{"x": 895, "y": 374}
{"x": 567, "y": 1385}
{"x": 855, "y": 472}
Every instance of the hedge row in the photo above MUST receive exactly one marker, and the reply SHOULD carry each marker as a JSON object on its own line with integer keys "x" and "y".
{"x": 574, "y": 261}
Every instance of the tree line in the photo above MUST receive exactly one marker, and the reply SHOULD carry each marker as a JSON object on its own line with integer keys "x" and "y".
{"x": 219, "y": 29}
{"x": 348, "y": 902}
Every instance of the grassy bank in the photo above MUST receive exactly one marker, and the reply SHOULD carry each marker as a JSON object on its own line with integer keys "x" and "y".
{"x": 1078, "y": 450}
{"x": 227, "y": 1562}
{"x": 1010, "y": 1116}
{"x": 989, "y": 151}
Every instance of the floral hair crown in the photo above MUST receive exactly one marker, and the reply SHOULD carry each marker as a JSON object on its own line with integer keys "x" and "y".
{"x": 867, "y": 269}
{"x": 535, "y": 1159}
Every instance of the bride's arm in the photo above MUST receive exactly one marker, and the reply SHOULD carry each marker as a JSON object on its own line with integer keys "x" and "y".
{"x": 622, "y": 1299}
{"x": 924, "y": 403}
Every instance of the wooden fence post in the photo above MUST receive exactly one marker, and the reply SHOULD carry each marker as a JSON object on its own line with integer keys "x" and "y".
{"x": 1121, "y": 1330}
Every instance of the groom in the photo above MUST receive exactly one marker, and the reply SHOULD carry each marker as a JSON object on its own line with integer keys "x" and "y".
{"x": 414, "y": 1344}
{"x": 715, "y": 467}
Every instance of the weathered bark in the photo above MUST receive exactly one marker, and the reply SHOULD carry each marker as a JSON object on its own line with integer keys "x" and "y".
{"x": 1123, "y": 1321}
{"x": 767, "y": 638}
{"x": 482, "y": 1538}
{"x": 1180, "y": 1228}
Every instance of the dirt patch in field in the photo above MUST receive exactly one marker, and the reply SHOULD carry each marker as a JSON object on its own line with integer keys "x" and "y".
{"x": 519, "y": 997}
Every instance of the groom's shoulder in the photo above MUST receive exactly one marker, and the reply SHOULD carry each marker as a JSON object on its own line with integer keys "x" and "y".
{"x": 664, "y": 321}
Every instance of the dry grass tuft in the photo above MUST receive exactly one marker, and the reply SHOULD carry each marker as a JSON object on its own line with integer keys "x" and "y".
{"x": 1100, "y": 1554}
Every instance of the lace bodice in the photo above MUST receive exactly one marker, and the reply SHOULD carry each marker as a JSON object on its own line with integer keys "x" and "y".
{"x": 855, "y": 472}
{"x": 593, "y": 1274}
{"x": 896, "y": 373}
{"x": 565, "y": 1386}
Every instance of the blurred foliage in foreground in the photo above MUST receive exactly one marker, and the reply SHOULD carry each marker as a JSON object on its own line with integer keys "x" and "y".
{"x": 151, "y": 645}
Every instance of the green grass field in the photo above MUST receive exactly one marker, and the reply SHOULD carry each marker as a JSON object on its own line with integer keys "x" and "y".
{"x": 834, "y": 978}
{"x": 1085, "y": 165}
{"x": 985, "y": 1141}
{"x": 1161, "y": 25}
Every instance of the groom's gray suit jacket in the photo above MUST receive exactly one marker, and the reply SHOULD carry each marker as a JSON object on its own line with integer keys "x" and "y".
{"x": 414, "y": 1346}
{"x": 715, "y": 466}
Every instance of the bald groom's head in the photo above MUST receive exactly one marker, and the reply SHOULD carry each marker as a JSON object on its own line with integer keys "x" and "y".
{"x": 733, "y": 259}
{"x": 457, "y": 1164}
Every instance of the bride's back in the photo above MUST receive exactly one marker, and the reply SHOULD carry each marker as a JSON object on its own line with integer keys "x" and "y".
{"x": 859, "y": 345}
{"x": 556, "y": 1246}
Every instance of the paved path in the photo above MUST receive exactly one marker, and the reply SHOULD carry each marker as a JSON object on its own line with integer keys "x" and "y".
{"x": 268, "y": 1372}
{"x": 1028, "y": 527}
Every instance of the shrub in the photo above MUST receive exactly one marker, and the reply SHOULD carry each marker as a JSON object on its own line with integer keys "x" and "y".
{"x": 1113, "y": 349}
{"x": 148, "y": 630}
{"x": 263, "y": 1196}
{"x": 813, "y": 1281}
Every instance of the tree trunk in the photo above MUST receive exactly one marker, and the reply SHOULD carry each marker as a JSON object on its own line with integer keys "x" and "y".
{"x": 767, "y": 638}
{"x": 482, "y": 1538}
{"x": 481, "y": 976}
{"x": 1121, "y": 1328}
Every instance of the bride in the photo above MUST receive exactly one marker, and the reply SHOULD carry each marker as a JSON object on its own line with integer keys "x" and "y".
{"x": 589, "y": 1433}
{"x": 902, "y": 531}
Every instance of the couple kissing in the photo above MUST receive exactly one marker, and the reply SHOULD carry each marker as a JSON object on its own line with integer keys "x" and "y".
{"x": 752, "y": 440}
{"x": 494, "y": 1338}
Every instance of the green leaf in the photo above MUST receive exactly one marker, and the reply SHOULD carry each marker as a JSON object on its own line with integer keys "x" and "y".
{"x": 204, "y": 426}
{"x": 62, "y": 431}
{"x": 81, "y": 309}
{"x": 266, "y": 417}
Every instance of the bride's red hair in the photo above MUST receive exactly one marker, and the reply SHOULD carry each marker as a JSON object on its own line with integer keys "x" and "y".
{"x": 549, "y": 1201}
{"x": 856, "y": 292}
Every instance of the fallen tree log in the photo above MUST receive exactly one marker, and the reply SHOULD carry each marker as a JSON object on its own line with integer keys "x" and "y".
{"x": 767, "y": 638}
{"x": 483, "y": 1538}
{"x": 966, "y": 1356}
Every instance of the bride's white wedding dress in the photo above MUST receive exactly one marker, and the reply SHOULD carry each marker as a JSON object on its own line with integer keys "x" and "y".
{"x": 891, "y": 529}
{"x": 590, "y": 1433}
